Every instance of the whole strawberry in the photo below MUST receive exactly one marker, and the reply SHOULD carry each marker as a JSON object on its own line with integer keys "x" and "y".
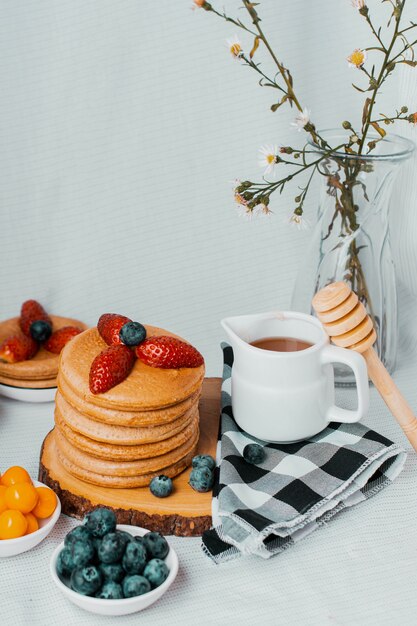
{"x": 110, "y": 368}
{"x": 30, "y": 312}
{"x": 109, "y": 326}
{"x": 18, "y": 348}
{"x": 60, "y": 338}
{"x": 168, "y": 353}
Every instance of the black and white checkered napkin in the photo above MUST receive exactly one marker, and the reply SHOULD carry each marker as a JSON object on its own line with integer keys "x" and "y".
{"x": 264, "y": 509}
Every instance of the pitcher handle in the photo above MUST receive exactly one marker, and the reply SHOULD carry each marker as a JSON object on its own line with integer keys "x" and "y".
{"x": 332, "y": 354}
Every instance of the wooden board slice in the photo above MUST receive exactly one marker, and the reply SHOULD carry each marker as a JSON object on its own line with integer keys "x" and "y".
{"x": 185, "y": 513}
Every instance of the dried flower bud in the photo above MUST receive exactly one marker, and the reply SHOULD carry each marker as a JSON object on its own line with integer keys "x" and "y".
{"x": 364, "y": 10}
{"x": 263, "y": 200}
{"x": 298, "y": 211}
{"x": 243, "y": 186}
{"x": 404, "y": 109}
{"x": 297, "y": 198}
{"x": 347, "y": 125}
{"x": 297, "y": 155}
{"x": 367, "y": 168}
{"x": 412, "y": 118}
{"x": 247, "y": 195}
{"x": 391, "y": 67}
{"x": 371, "y": 145}
{"x": 309, "y": 127}
{"x": 286, "y": 150}
{"x": 373, "y": 83}
{"x": 202, "y": 4}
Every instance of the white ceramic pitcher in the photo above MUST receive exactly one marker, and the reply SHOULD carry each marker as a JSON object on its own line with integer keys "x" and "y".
{"x": 283, "y": 397}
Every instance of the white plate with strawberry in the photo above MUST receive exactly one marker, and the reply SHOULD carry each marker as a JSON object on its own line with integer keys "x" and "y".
{"x": 30, "y": 347}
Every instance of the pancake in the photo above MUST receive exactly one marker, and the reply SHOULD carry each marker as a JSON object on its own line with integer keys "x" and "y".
{"x": 119, "y": 435}
{"x": 114, "y": 452}
{"x": 126, "y": 418}
{"x": 44, "y": 365}
{"x": 28, "y": 384}
{"x": 145, "y": 388}
{"x": 127, "y": 482}
{"x": 123, "y": 469}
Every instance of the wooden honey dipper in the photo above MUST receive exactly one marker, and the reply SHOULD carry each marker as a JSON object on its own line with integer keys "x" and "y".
{"x": 349, "y": 326}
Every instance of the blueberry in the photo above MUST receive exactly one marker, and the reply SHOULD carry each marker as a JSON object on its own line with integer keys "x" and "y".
{"x": 204, "y": 460}
{"x": 141, "y": 541}
{"x": 134, "y": 558}
{"x": 86, "y": 580}
{"x": 110, "y": 591}
{"x": 127, "y": 536}
{"x": 254, "y": 453}
{"x": 156, "y": 545}
{"x": 201, "y": 479}
{"x": 132, "y": 333}
{"x": 96, "y": 542}
{"x": 161, "y": 486}
{"x": 82, "y": 552}
{"x": 111, "y": 548}
{"x": 40, "y": 330}
{"x": 135, "y": 586}
{"x": 156, "y": 571}
{"x": 79, "y": 533}
{"x": 112, "y": 572}
{"x": 65, "y": 563}
{"x": 100, "y": 522}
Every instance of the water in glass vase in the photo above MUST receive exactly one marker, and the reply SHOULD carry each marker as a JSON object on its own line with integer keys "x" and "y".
{"x": 351, "y": 242}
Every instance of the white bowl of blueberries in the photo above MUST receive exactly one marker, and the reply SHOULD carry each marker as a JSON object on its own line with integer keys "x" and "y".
{"x": 112, "y": 569}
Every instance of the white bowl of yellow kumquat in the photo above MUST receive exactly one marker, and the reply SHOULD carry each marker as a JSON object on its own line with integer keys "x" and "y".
{"x": 28, "y": 511}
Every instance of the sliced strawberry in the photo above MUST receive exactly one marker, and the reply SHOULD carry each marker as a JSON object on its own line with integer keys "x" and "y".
{"x": 18, "y": 348}
{"x": 168, "y": 353}
{"x": 60, "y": 338}
{"x": 32, "y": 311}
{"x": 109, "y": 326}
{"x": 110, "y": 368}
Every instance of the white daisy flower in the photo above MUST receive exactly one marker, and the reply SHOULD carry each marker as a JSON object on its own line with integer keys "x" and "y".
{"x": 235, "y": 47}
{"x": 298, "y": 221}
{"x": 302, "y": 119}
{"x": 269, "y": 158}
{"x": 358, "y": 4}
{"x": 357, "y": 58}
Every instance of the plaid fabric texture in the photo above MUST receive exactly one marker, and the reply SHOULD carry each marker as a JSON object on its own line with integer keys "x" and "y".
{"x": 264, "y": 509}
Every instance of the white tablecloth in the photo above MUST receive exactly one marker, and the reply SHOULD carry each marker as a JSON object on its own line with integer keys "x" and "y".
{"x": 358, "y": 570}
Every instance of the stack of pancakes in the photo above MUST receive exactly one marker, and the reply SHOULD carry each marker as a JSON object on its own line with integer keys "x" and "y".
{"x": 41, "y": 371}
{"x": 145, "y": 426}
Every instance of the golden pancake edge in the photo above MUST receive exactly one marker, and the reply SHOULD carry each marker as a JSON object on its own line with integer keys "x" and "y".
{"x": 126, "y": 418}
{"x": 119, "y": 435}
{"x": 117, "y": 452}
{"x": 122, "y": 469}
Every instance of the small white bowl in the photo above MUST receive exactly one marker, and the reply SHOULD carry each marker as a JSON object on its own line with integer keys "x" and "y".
{"x": 11, "y": 547}
{"x": 28, "y": 394}
{"x": 124, "y": 606}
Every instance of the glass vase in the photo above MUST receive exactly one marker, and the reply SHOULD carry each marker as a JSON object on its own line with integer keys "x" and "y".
{"x": 351, "y": 241}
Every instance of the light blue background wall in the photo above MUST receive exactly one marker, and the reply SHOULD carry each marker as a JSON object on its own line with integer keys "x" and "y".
{"x": 122, "y": 124}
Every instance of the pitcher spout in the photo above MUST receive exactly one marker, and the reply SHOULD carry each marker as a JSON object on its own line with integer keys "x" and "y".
{"x": 243, "y": 329}
{"x": 227, "y": 325}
